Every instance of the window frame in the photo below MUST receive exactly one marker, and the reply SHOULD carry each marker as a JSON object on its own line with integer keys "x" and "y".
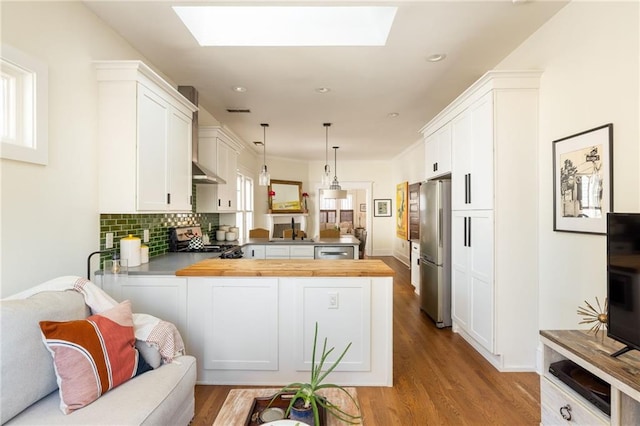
{"x": 30, "y": 115}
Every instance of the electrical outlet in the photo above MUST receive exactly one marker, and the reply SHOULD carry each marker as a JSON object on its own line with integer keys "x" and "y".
{"x": 333, "y": 300}
{"x": 108, "y": 243}
{"x": 145, "y": 236}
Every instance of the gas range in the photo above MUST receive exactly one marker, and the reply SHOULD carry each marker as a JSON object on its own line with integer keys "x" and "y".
{"x": 189, "y": 239}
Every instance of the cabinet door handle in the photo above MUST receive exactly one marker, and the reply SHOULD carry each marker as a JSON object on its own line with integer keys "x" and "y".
{"x": 229, "y": 203}
{"x": 469, "y": 189}
{"x": 469, "y": 230}
{"x": 465, "y": 231}
{"x": 565, "y": 412}
{"x": 168, "y": 198}
{"x": 219, "y": 201}
{"x": 435, "y": 167}
{"x": 466, "y": 188}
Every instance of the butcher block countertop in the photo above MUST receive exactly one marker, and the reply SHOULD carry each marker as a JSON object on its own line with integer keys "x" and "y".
{"x": 287, "y": 268}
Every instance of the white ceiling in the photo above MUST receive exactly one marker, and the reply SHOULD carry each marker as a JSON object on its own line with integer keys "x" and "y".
{"x": 367, "y": 83}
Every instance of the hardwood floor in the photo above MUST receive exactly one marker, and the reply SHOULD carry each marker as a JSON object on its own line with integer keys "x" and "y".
{"x": 439, "y": 379}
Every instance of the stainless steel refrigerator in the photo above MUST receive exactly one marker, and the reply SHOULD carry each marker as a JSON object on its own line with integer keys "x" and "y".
{"x": 435, "y": 250}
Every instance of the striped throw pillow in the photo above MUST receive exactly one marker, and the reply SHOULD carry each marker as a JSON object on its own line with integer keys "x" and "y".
{"x": 93, "y": 355}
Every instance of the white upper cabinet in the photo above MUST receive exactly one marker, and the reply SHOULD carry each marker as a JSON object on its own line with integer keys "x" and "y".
{"x": 144, "y": 137}
{"x": 438, "y": 152}
{"x": 472, "y": 168}
{"x": 218, "y": 151}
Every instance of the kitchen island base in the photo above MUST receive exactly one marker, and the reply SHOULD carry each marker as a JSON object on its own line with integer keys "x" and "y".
{"x": 257, "y": 327}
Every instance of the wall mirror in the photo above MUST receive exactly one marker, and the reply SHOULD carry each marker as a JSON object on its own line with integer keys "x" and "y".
{"x": 285, "y": 196}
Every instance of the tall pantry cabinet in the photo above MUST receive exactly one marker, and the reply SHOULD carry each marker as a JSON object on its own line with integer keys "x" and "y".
{"x": 494, "y": 169}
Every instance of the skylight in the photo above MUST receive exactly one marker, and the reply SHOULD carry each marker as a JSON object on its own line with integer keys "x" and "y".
{"x": 288, "y": 25}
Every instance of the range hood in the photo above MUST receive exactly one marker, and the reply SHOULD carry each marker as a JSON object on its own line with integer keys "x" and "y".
{"x": 199, "y": 173}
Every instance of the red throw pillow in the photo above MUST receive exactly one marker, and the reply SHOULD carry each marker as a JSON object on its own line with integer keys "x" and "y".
{"x": 93, "y": 355}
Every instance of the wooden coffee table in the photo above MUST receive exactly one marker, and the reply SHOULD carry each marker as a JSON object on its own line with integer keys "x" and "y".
{"x": 236, "y": 407}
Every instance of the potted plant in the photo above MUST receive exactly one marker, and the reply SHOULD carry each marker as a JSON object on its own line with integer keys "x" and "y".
{"x": 305, "y": 195}
{"x": 306, "y": 396}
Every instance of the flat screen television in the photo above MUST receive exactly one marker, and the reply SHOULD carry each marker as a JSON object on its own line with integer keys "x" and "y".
{"x": 623, "y": 279}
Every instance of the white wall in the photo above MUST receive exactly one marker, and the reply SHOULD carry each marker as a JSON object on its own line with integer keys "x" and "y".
{"x": 50, "y": 220}
{"x": 589, "y": 54}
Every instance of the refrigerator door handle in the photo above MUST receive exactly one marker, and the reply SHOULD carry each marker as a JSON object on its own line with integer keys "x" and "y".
{"x": 469, "y": 239}
{"x": 469, "y": 200}
{"x": 440, "y": 230}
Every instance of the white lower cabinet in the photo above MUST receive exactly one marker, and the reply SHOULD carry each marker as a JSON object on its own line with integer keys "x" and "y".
{"x": 342, "y": 309}
{"x": 259, "y": 330}
{"x": 163, "y": 296}
{"x": 301, "y": 252}
{"x": 254, "y": 252}
{"x": 472, "y": 274}
{"x": 280, "y": 251}
{"x": 415, "y": 266}
{"x": 234, "y": 322}
{"x": 276, "y": 252}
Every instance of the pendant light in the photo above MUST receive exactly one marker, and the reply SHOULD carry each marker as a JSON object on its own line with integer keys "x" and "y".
{"x": 335, "y": 191}
{"x": 326, "y": 175}
{"x": 264, "y": 179}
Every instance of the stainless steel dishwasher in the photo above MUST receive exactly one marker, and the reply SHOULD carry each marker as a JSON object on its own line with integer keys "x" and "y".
{"x": 333, "y": 252}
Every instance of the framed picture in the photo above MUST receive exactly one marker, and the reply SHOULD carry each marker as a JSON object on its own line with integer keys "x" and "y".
{"x": 583, "y": 181}
{"x": 363, "y": 207}
{"x": 382, "y": 207}
{"x": 402, "y": 211}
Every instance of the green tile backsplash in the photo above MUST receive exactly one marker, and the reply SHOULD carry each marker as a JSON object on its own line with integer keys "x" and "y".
{"x": 158, "y": 225}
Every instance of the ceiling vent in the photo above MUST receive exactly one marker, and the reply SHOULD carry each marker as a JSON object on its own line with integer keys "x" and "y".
{"x": 239, "y": 110}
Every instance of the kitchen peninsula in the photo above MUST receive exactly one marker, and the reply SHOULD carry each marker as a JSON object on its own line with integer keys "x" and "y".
{"x": 251, "y": 322}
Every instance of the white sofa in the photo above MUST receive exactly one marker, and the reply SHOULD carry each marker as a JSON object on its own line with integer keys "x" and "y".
{"x": 29, "y": 390}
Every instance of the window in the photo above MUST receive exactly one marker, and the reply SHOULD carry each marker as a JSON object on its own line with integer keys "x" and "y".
{"x": 23, "y": 107}
{"x": 332, "y": 209}
{"x": 244, "y": 216}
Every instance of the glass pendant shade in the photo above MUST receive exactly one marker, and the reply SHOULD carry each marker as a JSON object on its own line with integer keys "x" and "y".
{"x": 335, "y": 190}
{"x": 326, "y": 175}
{"x": 264, "y": 179}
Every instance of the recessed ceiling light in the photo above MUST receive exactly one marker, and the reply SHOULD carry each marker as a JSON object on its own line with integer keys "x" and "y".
{"x": 436, "y": 57}
{"x": 323, "y": 90}
{"x": 239, "y": 89}
{"x": 288, "y": 25}
{"x": 393, "y": 114}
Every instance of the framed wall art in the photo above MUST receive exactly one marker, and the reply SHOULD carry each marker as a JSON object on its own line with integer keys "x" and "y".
{"x": 583, "y": 181}
{"x": 402, "y": 210}
{"x": 363, "y": 207}
{"x": 382, "y": 208}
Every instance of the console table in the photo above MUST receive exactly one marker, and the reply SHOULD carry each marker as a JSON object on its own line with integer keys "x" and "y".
{"x": 236, "y": 407}
{"x": 593, "y": 354}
